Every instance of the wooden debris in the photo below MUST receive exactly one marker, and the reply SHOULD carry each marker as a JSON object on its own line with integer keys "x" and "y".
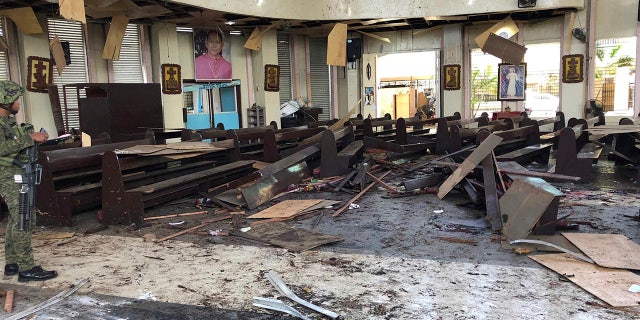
{"x": 343, "y": 208}
{"x": 484, "y": 149}
{"x": 203, "y": 224}
{"x": 176, "y": 215}
{"x": 54, "y": 236}
{"x": 458, "y": 240}
{"x": 8, "y": 301}
{"x": 386, "y": 186}
{"x": 96, "y": 229}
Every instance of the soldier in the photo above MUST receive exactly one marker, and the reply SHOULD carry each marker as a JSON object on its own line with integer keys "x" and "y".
{"x": 14, "y": 140}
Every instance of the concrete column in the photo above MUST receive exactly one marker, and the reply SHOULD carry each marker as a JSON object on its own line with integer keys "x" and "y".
{"x": 574, "y": 95}
{"x": 36, "y": 108}
{"x": 165, "y": 49}
{"x": 452, "y": 100}
{"x": 267, "y": 55}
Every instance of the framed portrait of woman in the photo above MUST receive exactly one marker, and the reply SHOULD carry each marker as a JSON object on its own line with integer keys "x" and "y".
{"x": 212, "y": 55}
{"x": 512, "y": 81}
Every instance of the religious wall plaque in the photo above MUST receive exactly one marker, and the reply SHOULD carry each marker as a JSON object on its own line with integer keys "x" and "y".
{"x": 171, "y": 79}
{"x": 40, "y": 74}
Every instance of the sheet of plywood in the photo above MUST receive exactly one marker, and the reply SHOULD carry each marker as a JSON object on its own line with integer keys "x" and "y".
{"x": 292, "y": 239}
{"x": 608, "y": 250}
{"x": 255, "y": 40}
{"x": 320, "y": 205}
{"x": 25, "y": 19}
{"x": 337, "y": 45}
{"x": 469, "y": 164}
{"x": 114, "y": 37}
{"x": 610, "y": 285}
{"x": 506, "y": 28}
{"x": 285, "y": 209}
{"x": 73, "y": 10}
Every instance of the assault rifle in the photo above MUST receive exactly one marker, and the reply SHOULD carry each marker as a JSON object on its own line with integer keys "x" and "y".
{"x": 31, "y": 176}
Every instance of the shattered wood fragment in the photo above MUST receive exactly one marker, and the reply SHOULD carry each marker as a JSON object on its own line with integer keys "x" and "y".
{"x": 203, "y": 224}
{"x": 343, "y": 208}
{"x": 176, "y": 215}
{"x": 386, "y": 186}
{"x": 96, "y": 229}
{"x": 8, "y": 301}
{"x": 458, "y": 240}
{"x": 469, "y": 163}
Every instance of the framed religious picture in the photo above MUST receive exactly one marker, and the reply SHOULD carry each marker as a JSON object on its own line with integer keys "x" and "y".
{"x": 40, "y": 74}
{"x": 512, "y": 81}
{"x": 451, "y": 77}
{"x": 171, "y": 79}
{"x": 572, "y": 68}
{"x": 212, "y": 55}
{"x": 271, "y": 78}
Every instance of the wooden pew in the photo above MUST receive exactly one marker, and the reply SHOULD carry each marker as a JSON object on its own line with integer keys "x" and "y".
{"x": 127, "y": 191}
{"x": 339, "y": 151}
{"x": 532, "y": 150}
{"x": 70, "y": 181}
{"x": 570, "y": 142}
{"x": 267, "y": 145}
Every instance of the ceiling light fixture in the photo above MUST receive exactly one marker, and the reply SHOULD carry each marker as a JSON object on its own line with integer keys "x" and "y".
{"x": 230, "y": 23}
{"x": 236, "y": 32}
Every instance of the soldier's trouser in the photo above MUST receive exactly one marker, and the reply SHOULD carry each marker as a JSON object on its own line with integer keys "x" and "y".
{"x": 17, "y": 244}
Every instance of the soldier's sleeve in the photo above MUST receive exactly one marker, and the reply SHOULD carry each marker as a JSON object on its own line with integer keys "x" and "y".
{"x": 11, "y": 146}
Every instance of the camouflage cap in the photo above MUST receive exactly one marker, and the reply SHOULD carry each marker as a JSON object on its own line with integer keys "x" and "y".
{"x": 9, "y": 92}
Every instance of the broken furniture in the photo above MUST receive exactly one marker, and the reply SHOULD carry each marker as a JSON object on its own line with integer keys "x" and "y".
{"x": 71, "y": 181}
{"x": 530, "y": 206}
{"x": 130, "y": 186}
{"x": 339, "y": 151}
{"x": 575, "y": 155}
{"x": 532, "y": 150}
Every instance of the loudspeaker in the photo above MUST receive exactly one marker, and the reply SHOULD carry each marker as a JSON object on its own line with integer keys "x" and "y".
{"x": 526, "y": 3}
{"x": 354, "y": 49}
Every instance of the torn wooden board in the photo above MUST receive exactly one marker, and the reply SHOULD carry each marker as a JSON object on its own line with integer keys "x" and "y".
{"x": 506, "y": 28}
{"x": 232, "y": 196}
{"x": 73, "y": 10}
{"x": 524, "y": 204}
{"x": 610, "y": 285}
{"x": 469, "y": 164}
{"x": 53, "y": 236}
{"x": 292, "y": 239}
{"x": 608, "y": 250}
{"x": 115, "y": 36}
{"x": 320, "y": 205}
{"x": 285, "y": 209}
{"x": 58, "y": 54}
{"x": 556, "y": 239}
{"x": 337, "y": 45}
{"x": 25, "y": 19}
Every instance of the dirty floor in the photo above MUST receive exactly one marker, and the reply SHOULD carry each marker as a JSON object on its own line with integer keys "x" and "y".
{"x": 405, "y": 258}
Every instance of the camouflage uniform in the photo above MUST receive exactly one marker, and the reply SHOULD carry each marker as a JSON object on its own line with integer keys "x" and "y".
{"x": 14, "y": 139}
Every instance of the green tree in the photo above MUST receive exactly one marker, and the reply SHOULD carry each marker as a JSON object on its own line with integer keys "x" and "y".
{"x": 484, "y": 88}
{"x": 609, "y": 57}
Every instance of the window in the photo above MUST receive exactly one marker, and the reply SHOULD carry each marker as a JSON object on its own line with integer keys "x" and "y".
{"x": 484, "y": 83}
{"x": 128, "y": 69}
{"x": 543, "y": 79}
{"x": 615, "y": 75}
{"x": 76, "y": 72}
{"x": 284, "y": 61}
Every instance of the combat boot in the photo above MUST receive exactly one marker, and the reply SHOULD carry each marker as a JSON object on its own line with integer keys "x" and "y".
{"x": 36, "y": 274}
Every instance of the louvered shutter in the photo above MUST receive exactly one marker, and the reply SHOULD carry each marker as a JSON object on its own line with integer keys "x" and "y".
{"x": 76, "y": 72}
{"x": 319, "y": 77}
{"x": 128, "y": 69}
{"x": 4, "y": 59}
{"x": 284, "y": 61}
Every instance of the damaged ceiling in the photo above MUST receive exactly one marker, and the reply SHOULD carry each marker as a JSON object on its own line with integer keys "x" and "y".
{"x": 149, "y": 11}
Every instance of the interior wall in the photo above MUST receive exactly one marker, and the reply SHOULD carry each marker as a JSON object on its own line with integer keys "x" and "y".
{"x": 615, "y": 19}
{"x": 97, "y": 67}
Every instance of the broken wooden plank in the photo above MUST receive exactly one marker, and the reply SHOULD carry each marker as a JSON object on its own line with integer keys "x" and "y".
{"x": 491, "y": 193}
{"x": 8, "y": 301}
{"x": 176, "y": 215}
{"x": 608, "y": 250}
{"x": 343, "y": 208}
{"x": 203, "y": 224}
{"x": 266, "y": 188}
{"x": 610, "y": 285}
{"x": 285, "y": 209}
{"x": 469, "y": 163}
{"x": 290, "y": 238}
